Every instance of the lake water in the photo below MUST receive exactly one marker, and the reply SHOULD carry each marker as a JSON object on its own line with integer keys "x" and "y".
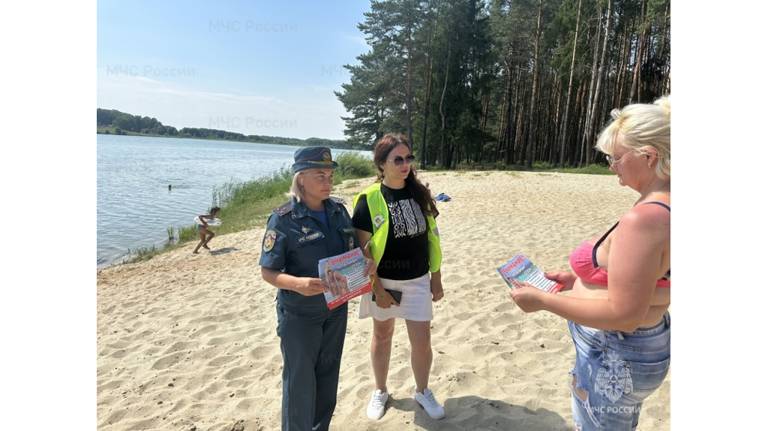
{"x": 135, "y": 207}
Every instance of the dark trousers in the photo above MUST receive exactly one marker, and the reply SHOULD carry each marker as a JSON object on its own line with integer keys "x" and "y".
{"x": 311, "y": 341}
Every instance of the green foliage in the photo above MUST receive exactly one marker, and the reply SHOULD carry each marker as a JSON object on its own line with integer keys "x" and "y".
{"x": 592, "y": 169}
{"x": 186, "y": 234}
{"x": 142, "y": 254}
{"x": 354, "y": 165}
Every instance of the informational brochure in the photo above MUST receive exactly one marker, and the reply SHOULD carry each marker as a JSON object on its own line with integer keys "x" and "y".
{"x": 521, "y": 268}
{"x": 346, "y": 277}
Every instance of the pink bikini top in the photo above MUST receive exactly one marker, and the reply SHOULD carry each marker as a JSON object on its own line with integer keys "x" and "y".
{"x": 583, "y": 260}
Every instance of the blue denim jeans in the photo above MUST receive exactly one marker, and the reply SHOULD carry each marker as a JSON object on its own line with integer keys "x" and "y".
{"x": 614, "y": 373}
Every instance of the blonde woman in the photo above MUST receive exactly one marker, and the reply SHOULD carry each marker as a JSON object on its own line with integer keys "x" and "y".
{"x": 619, "y": 284}
{"x": 310, "y": 227}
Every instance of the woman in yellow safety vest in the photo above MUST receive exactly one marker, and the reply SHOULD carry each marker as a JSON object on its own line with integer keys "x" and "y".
{"x": 395, "y": 218}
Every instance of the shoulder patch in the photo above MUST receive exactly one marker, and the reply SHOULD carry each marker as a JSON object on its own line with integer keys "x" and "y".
{"x": 283, "y": 209}
{"x": 338, "y": 200}
{"x": 269, "y": 240}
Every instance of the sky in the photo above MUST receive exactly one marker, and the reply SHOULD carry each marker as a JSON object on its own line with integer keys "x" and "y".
{"x": 254, "y": 67}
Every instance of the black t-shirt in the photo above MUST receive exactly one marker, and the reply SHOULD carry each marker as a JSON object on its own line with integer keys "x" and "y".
{"x": 406, "y": 255}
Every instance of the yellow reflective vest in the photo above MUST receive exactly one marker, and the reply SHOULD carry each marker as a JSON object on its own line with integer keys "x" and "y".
{"x": 380, "y": 221}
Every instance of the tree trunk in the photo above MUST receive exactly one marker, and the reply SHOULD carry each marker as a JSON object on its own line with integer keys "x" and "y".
{"x": 570, "y": 88}
{"x": 514, "y": 140}
{"x": 428, "y": 97}
{"x": 594, "y": 109}
{"x": 582, "y": 120}
{"x": 486, "y": 103}
{"x": 633, "y": 89}
{"x": 443, "y": 154}
{"x": 409, "y": 82}
{"x": 534, "y": 92}
{"x": 593, "y": 78}
{"x": 553, "y": 131}
{"x": 623, "y": 62}
{"x": 504, "y": 115}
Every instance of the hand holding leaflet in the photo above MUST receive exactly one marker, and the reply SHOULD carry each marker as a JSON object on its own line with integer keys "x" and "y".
{"x": 347, "y": 276}
{"x": 519, "y": 269}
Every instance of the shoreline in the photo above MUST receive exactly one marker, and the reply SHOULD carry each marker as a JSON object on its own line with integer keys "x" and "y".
{"x": 144, "y": 135}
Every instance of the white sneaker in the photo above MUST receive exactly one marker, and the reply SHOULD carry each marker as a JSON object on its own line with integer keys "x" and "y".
{"x": 428, "y": 402}
{"x": 377, "y": 405}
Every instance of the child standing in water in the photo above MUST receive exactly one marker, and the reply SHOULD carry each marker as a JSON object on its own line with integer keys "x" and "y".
{"x": 202, "y": 228}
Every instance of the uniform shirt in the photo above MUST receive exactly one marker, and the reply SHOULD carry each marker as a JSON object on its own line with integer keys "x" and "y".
{"x": 295, "y": 240}
{"x": 406, "y": 254}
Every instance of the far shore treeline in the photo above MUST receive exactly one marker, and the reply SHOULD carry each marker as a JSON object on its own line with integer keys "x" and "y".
{"x": 114, "y": 122}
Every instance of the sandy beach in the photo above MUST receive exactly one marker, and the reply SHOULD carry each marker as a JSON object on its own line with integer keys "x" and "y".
{"x": 188, "y": 342}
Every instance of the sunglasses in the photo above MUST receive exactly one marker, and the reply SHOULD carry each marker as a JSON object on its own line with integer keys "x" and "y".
{"x": 611, "y": 160}
{"x": 398, "y": 161}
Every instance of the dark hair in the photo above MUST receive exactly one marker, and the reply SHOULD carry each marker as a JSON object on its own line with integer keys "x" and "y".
{"x": 214, "y": 210}
{"x": 421, "y": 193}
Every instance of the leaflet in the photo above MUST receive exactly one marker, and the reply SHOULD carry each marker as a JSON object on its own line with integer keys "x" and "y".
{"x": 521, "y": 268}
{"x": 345, "y": 275}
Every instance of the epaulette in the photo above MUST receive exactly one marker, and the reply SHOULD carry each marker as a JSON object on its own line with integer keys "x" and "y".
{"x": 283, "y": 209}
{"x": 338, "y": 200}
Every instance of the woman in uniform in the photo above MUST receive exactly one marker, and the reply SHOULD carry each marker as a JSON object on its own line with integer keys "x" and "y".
{"x": 310, "y": 227}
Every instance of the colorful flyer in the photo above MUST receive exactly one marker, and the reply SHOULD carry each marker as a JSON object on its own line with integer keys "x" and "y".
{"x": 521, "y": 268}
{"x": 345, "y": 275}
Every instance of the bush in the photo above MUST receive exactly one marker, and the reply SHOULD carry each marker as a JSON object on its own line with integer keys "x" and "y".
{"x": 354, "y": 165}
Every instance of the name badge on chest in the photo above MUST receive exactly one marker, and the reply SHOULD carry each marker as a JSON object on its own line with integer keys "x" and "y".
{"x": 309, "y": 235}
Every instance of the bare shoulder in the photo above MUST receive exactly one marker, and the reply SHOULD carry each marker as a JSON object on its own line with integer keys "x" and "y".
{"x": 646, "y": 218}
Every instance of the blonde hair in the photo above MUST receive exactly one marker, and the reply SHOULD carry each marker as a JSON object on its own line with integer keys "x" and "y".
{"x": 641, "y": 125}
{"x": 296, "y": 190}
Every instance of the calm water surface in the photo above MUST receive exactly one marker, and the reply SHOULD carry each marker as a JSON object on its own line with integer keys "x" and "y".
{"x": 134, "y": 205}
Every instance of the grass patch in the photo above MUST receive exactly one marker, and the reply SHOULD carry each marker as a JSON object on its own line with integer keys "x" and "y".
{"x": 590, "y": 169}
{"x": 144, "y": 253}
{"x": 248, "y": 204}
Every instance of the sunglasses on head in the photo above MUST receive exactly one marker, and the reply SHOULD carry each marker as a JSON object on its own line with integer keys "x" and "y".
{"x": 398, "y": 161}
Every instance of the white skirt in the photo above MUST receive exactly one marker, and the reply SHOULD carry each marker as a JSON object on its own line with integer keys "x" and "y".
{"x": 416, "y": 303}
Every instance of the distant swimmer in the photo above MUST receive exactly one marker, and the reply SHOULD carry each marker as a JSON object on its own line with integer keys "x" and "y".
{"x": 169, "y": 187}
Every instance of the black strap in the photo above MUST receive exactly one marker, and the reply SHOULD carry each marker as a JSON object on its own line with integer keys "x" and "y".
{"x": 600, "y": 241}
{"x": 658, "y": 203}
